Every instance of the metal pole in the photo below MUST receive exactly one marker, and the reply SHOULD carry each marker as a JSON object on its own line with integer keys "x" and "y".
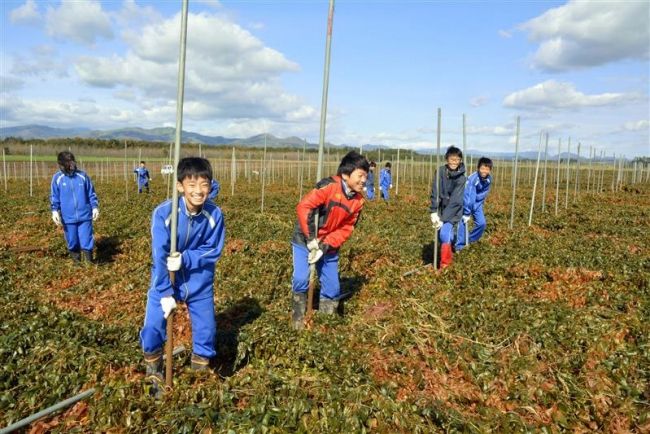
{"x": 532, "y": 200}
{"x": 545, "y": 173}
{"x": 397, "y": 172}
{"x": 568, "y": 175}
{"x": 321, "y": 145}
{"x": 514, "y": 176}
{"x": 437, "y": 175}
{"x": 576, "y": 190}
{"x": 233, "y": 172}
{"x": 31, "y": 163}
{"x": 557, "y": 180}
{"x": 302, "y": 166}
{"x": 263, "y": 173}
{"x": 126, "y": 178}
{"x": 177, "y": 152}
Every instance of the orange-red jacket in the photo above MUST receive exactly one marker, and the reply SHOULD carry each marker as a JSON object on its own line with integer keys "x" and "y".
{"x": 337, "y": 214}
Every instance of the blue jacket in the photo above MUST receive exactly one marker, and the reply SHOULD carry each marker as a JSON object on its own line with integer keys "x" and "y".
{"x": 476, "y": 190}
{"x": 73, "y": 196}
{"x": 214, "y": 190}
{"x": 449, "y": 203}
{"x": 143, "y": 175}
{"x": 370, "y": 181}
{"x": 385, "y": 178}
{"x": 200, "y": 240}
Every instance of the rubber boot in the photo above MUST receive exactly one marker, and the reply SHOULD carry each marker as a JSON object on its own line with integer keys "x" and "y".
{"x": 299, "y": 305}
{"x": 76, "y": 256}
{"x": 328, "y": 306}
{"x": 200, "y": 363}
{"x": 87, "y": 256}
{"x": 446, "y": 255}
{"x": 154, "y": 371}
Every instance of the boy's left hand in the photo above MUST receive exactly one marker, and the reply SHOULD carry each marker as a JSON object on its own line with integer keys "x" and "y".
{"x": 95, "y": 213}
{"x": 314, "y": 256}
{"x": 466, "y": 219}
{"x": 174, "y": 261}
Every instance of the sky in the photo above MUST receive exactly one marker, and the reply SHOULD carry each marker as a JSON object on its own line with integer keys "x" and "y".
{"x": 577, "y": 70}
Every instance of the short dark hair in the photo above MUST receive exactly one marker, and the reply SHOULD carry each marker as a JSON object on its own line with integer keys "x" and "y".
{"x": 191, "y": 167}
{"x": 351, "y": 162}
{"x": 64, "y": 157}
{"x": 373, "y": 164}
{"x": 452, "y": 150}
{"x": 388, "y": 164}
{"x": 142, "y": 162}
{"x": 484, "y": 161}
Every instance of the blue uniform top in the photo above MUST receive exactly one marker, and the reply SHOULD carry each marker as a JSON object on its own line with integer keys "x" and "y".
{"x": 143, "y": 175}
{"x": 200, "y": 240}
{"x": 476, "y": 190}
{"x": 385, "y": 178}
{"x": 73, "y": 196}
{"x": 214, "y": 190}
{"x": 370, "y": 181}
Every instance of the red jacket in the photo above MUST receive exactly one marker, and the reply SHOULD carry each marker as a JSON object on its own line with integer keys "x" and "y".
{"x": 337, "y": 214}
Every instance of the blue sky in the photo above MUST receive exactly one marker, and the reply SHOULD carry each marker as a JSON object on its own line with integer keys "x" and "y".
{"x": 576, "y": 69}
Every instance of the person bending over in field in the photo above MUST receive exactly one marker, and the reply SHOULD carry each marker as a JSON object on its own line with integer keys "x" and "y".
{"x": 385, "y": 181}
{"x": 215, "y": 187}
{"x": 477, "y": 189}
{"x": 370, "y": 182}
{"x": 143, "y": 177}
{"x": 447, "y": 203}
{"x": 74, "y": 206}
{"x": 200, "y": 239}
{"x": 338, "y": 202}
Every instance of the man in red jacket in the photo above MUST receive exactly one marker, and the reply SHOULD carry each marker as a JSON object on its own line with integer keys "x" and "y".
{"x": 338, "y": 201}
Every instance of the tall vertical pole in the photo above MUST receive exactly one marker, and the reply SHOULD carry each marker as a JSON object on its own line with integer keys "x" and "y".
{"x": 532, "y": 199}
{"x": 4, "y": 167}
{"x": 568, "y": 174}
{"x": 31, "y": 164}
{"x": 576, "y": 189}
{"x": 321, "y": 144}
{"x": 559, "y": 168}
{"x": 263, "y": 173}
{"x": 437, "y": 181}
{"x": 397, "y": 172}
{"x": 545, "y": 174}
{"x": 177, "y": 153}
{"x": 302, "y": 166}
{"x": 126, "y": 178}
{"x": 233, "y": 172}
{"x": 514, "y": 177}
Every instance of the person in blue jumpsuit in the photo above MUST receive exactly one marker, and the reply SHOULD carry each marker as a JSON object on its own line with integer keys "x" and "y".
{"x": 200, "y": 241}
{"x": 143, "y": 177}
{"x": 74, "y": 206}
{"x": 385, "y": 181}
{"x": 370, "y": 182}
{"x": 215, "y": 187}
{"x": 477, "y": 189}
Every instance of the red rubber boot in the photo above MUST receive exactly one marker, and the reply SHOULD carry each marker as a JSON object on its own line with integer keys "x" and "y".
{"x": 446, "y": 255}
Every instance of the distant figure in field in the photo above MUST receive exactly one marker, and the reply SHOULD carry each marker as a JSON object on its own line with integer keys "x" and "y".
{"x": 214, "y": 190}
{"x": 477, "y": 189}
{"x": 143, "y": 177}
{"x": 385, "y": 181}
{"x": 338, "y": 201}
{"x": 370, "y": 182}
{"x": 74, "y": 206}
{"x": 447, "y": 204}
{"x": 200, "y": 239}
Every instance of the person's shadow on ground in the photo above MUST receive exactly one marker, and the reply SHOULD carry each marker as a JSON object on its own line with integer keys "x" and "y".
{"x": 107, "y": 249}
{"x": 229, "y": 324}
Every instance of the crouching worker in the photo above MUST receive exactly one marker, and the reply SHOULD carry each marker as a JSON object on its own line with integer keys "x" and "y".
{"x": 477, "y": 189}
{"x": 74, "y": 206}
{"x": 200, "y": 239}
{"x": 338, "y": 202}
{"x": 447, "y": 201}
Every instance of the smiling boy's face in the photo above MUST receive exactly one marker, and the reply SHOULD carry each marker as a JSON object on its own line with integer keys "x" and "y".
{"x": 356, "y": 180}
{"x": 484, "y": 171}
{"x": 195, "y": 190}
{"x": 453, "y": 161}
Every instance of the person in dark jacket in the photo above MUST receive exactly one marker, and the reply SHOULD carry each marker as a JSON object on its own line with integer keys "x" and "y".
{"x": 385, "y": 181}
{"x": 74, "y": 206}
{"x": 200, "y": 240}
{"x": 447, "y": 202}
{"x": 338, "y": 201}
{"x": 143, "y": 177}
{"x": 477, "y": 189}
{"x": 370, "y": 182}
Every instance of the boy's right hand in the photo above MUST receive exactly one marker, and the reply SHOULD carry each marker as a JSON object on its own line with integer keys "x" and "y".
{"x": 56, "y": 217}
{"x": 168, "y": 304}
{"x": 435, "y": 220}
{"x": 174, "y": 261}
{"x": 313, "y": 245}
{"x": 466, "y": 219}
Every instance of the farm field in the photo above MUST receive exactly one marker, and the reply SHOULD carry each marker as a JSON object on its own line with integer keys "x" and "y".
{"x": 541, "y": 328}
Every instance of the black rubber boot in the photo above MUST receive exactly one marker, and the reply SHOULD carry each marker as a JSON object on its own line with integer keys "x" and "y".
{"x": 154, "y": 370}
{"x": 328, "y": 306}
{"x": 200, "y": 363}
{"x": 299, "y": 303}
{"x": 87, "y": 256}
{"x": 76, "y": 256}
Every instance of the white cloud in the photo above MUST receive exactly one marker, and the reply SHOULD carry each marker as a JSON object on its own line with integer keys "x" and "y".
{"x": 25, "y": 14}
{"x": 79, "y": 21}
{"x": 498, "y": 130}
{"x": 10, "y": 83}
{"x": 637, "y": 125}
{"x": 505, "y": 34}
{"x": 479, "y": 101}
{"x": 552, "y": 94}
{"x": 582, "y": 34}
{"x": 41, "y": 61}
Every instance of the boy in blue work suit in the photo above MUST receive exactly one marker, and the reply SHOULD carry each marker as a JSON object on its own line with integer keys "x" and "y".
{"x": 143, "y": 177}
{"x": 200, "y": 240}
{"x": 370, "y": 182}
{"x": 74, "y": 206}
{"x": 215, "y": 187}
{"x": 447, "y": 203}
{"x": 385, "y": 181}
{"x": 477, "y": 189}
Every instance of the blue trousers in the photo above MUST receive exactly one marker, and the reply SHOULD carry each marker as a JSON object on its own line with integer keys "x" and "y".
{"x": 476, "y": 233}
{"x": 446, "y": 233}
{"x": 141, "y": 185}
{"x": 384, "y": 193}
{"x": 79, "y": 236}
{"x": 370, "y": 193}
{"x": 204, "y": 327}
{"x": 327, "y": 269}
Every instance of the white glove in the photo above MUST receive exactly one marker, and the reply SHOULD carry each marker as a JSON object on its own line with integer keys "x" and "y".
{"x": 95, "y": 213}
{"x": 174, "y": 261}
{"x": 168, "y": 304}
{"x": 365, "y": 188}
{"x": 390, "y": 186}
{"x": 466, "y": 219}
{"x": 56, "y": 217}
{"x": 313, "y": 245}
{"x": 314, "y": 256}
{"x": 435, "y": 220}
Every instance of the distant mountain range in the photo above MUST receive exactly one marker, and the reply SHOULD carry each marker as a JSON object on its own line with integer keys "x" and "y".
{"x": 167, "y": 135}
